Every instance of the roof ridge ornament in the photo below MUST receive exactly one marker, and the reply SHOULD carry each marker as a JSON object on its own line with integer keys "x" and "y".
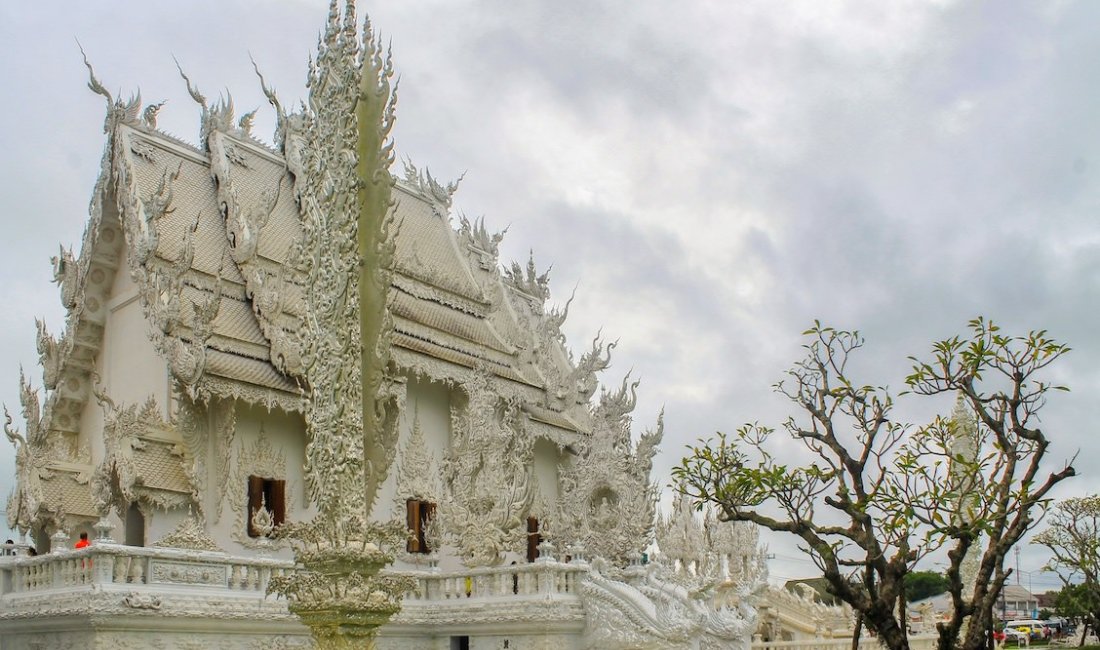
{"x": 534, "y": 286}
{"x": 117, "y": 112}
{"x": 219, "y": 117}
{"x": 200, "y": 99}
{"x": 591, "y": 362}
{"x": 485, "y": 246}
{"x": 149, "y": 115}
{"x": 440, "y": 196}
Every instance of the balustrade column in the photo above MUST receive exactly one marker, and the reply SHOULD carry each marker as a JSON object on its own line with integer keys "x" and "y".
{"x": 103, "y": 569}
{"x": 7, "y": 581}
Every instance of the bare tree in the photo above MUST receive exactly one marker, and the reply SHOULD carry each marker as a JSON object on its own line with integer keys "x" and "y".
{"x": 879, "y": 495}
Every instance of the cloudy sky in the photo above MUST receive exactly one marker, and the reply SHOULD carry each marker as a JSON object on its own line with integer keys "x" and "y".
{"x": 711, "y": 176}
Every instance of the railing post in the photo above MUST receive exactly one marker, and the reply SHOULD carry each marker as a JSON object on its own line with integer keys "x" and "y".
{"x": 103, "y": 568}
{"x": 6, "y": 580}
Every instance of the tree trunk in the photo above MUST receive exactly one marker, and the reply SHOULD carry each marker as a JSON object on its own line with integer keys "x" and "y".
{"x": 886, "y": 626}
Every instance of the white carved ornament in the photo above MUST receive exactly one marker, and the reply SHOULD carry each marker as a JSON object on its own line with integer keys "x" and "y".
{"x": 261, "y": 459}
{"x": 607, "y": 503}
{"x": 488, "y": 475}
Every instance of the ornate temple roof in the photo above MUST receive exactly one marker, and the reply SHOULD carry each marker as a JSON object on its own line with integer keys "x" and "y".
{"x": 249, "y": 266}
{"x": 211, "y": 236}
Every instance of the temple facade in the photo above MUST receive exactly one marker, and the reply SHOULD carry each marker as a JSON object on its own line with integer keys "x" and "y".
{"x": 182, "y": 414}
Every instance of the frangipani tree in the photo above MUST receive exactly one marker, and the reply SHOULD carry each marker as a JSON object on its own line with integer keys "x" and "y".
{"x": 879, "y": 495}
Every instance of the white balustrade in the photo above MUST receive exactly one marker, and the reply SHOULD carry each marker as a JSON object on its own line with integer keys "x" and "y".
{"x": 151, "y": 570}
{"x": 517, "y": 581}
{"x": 106, "y": 565}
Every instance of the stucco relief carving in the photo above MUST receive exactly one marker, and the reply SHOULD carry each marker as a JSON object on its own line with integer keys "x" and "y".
{"x": 270, "y": 286}
{"x": 145, "y": 639}
{"x": 418, "y": 470}
{"x": 192, "y": 424}
{"x": 656, "y": 608}
{"x": 145, "y": 232}
{"x": 701, "y": 591}
{"x": 218, "y": 388}
{"x": 487, "y": 474}
{"x": 583, "y": 378}
{"x": 135, "y": 600}
{"x": 261, "y": 459}
{"x": 187, "y": 573}
{"x": 223, "y": 415}
{"x": 190, "y": 535}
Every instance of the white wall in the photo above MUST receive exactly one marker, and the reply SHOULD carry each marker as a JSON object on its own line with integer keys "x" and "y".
{"x": 129, "y": 366}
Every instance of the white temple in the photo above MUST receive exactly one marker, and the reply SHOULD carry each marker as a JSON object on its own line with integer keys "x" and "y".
{"x": 181, "y": 416}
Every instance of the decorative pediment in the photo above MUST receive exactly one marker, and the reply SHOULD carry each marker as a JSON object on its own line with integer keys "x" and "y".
{"x": 144, "y": 459}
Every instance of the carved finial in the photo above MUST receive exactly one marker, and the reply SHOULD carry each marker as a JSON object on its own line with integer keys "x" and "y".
{"x": 93, "y": 83}
{"x": 14, "y": 437}
{"x": 199, "y": 98}
{"x": 149, "y": 115}
{"x": 280, "y": 114}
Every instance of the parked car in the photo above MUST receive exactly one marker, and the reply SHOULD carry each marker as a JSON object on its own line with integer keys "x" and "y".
{"x": 1012, "y": 634}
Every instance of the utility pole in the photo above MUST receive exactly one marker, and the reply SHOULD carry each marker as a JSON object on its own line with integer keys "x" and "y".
{"x": 1017, "y": 550}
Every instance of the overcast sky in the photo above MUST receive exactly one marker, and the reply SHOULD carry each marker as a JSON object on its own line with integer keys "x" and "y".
{"x": 712, "y": 176}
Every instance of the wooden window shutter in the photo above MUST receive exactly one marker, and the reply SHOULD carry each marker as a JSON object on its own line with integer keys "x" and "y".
{"x": 255, "y": 498}
{"x": 533, "y": 539}
{"x": 412, "y": 520}
{"x": 277, "y": 502}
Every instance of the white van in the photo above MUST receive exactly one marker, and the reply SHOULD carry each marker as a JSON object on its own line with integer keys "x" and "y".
{"x": 1035, "y": 628}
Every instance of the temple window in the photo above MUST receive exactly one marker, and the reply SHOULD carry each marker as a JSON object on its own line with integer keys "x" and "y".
{"x": 417, "y": 514}
{"x": 533, "y": 538}
{"x": 266, "y": 493}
